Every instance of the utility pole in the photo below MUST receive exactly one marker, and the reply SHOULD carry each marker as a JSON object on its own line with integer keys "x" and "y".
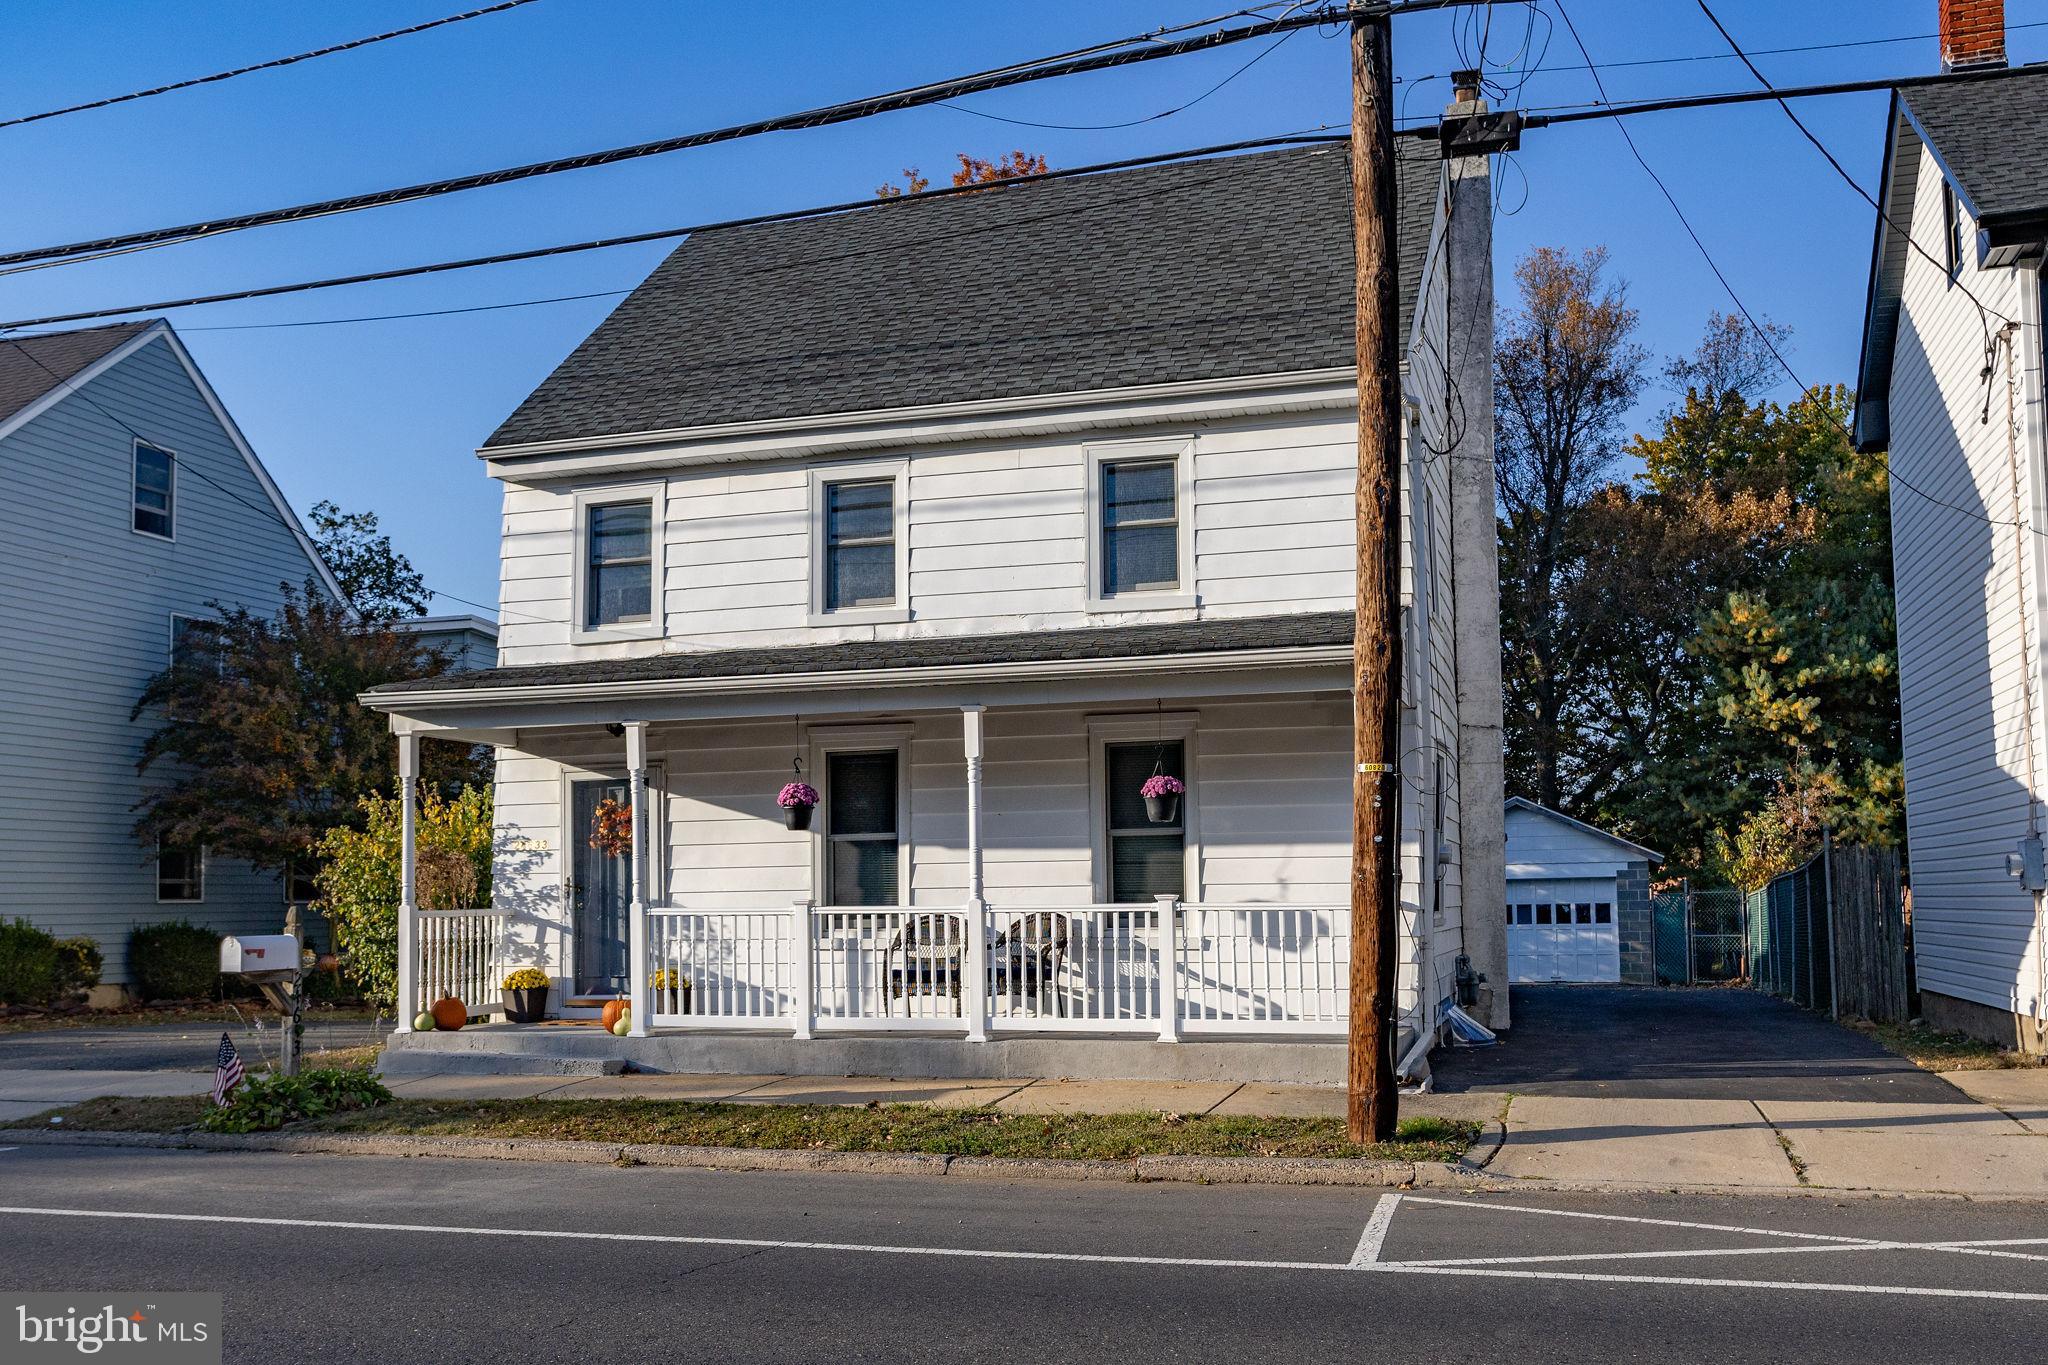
{"x": 1376, "y": 651}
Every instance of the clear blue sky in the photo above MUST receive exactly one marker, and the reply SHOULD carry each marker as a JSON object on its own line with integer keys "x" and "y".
{"x": 386, "y": 415}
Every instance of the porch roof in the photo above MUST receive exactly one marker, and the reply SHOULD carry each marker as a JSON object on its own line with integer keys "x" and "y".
{"x": 1307, "y": 631}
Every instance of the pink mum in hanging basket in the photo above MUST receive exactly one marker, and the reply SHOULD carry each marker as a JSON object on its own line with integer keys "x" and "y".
{"x": 797, "y": 794}
{"x": 1159, "y": 784}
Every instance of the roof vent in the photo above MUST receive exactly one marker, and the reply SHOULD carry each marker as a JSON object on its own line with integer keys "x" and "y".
{"x": 1972, "y": 34}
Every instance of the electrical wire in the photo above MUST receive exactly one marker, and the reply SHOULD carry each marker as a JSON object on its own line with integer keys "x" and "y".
{"x": 299, "y": 532}
{"x": 664, "y": 234}
{"x": 820, "y": 117}
{"x": 270, "y": 65}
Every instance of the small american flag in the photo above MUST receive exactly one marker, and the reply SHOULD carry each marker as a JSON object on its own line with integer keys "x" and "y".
{"x": 227, "y": 1070}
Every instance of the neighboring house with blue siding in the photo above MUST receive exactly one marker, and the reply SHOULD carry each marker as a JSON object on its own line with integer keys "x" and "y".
{"x": 129, "y": 501}
{"x": 466, "y": 642}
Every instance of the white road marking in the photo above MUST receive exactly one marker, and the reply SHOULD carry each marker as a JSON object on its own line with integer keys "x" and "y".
{"x": 976, "y": 1253}
{"x": 1627, "y": 1218}
{"x": 1375, "y": 1234}
{"x": 9, "y": 1149}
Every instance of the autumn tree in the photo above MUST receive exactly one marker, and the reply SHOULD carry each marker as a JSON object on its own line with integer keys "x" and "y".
{"x": 972, "y": 171}
{"x": 1566, "y": 370}
{"x": 260, "y": 746}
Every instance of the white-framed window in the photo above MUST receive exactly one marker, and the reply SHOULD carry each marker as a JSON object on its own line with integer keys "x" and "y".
{"x": 180, "y": 875}
{"x": 1137, "y": 858}
{"x": 194, "y": 649}
{"x": 860, "y": 543}
{"x": 1952, "y": 223}
{"x": 618, "y": 574}
{"x": 1141, "y": 526}
{"x": 155, "y": 491}
{"x": 301, "y": 885}
{"x": 862, "y": 829}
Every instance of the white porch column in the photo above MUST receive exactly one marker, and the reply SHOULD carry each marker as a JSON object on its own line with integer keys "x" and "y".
{"x": 806, "y": 1001}
{"x": 408, "y": 866}
{"x": 974, "y": 999}
{"x": 1169, "y": 968}
{"x": 636, "y": 915}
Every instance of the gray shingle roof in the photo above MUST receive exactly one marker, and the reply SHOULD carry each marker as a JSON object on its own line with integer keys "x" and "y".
{"x": 30, "y": 366}
{"x": 1210, "y": 269}
{"x": 1988, "y": 135}
{"x": 1302, "y": 630}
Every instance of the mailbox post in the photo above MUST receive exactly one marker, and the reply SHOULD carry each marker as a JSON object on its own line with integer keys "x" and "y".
{"x": 272, "y": 962}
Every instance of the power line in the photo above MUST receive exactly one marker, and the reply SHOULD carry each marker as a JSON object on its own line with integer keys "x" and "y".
{"x": 663, "y": 234}
{"x": 1686, "y": 58}
{"x": 270, "y": 65}
{"x": 824, "y": 116}
{"x": 395, "y": 317}
{"x": 1608, "y": 109}
{"x": 298, "y": 531}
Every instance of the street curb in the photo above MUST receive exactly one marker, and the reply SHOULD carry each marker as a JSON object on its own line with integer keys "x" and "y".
{"x": 1199, "y": 1170}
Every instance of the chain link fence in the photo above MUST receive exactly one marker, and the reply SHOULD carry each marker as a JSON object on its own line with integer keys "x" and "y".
{"x": 1700, "y": 935}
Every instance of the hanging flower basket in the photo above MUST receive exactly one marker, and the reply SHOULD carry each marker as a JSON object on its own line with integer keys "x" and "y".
{"x": 798, "y": 800}
{"x": 611, "y": 828}
{"x": 1162, "y": 798}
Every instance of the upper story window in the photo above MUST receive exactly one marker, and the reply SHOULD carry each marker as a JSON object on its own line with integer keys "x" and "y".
{"x": 153, "y": 490}
{"x": 180, "y": 874}
{"x": 619, "y": 563}
{"x": 1141, "y": 550}
{"x": 1951, "y": 231}
{"x": 859, "y": 550}
{"x": 196, "y": 657}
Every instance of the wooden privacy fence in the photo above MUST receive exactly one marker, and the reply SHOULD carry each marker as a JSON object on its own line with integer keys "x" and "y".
{"x": 1831, "y": 935}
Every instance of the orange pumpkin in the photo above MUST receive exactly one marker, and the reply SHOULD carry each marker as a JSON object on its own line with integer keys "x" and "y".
{"x": 449, "y": 1013}
{"x": 612, "y": 1010}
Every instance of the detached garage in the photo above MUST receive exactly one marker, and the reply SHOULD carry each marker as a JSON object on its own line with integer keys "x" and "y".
{"x": 1578, "y": 900}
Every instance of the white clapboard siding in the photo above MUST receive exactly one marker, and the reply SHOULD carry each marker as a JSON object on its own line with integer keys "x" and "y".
{"x": 1962, "y": 661}
{"x": 87, "y": 603}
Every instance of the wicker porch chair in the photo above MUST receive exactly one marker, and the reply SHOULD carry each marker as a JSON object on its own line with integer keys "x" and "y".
{"x": 925, "y": 958}
{"x": 1029, "y": 957}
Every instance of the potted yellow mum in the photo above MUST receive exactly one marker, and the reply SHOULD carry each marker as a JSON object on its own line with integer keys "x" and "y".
{"x": 526, "y": 995}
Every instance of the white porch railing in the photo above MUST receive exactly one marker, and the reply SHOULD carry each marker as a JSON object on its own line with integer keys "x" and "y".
{"x": 1160, "y": 970}
{"x": 460, "y": 952}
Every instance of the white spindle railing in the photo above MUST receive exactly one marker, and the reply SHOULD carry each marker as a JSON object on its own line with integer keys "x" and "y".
{"x": 1077, "y": 969}
{"x": 1265, "y": 968}
{"x": 879, "y": 968}
{"x": 460, "y": 952}
{"x": 722, "y": 968}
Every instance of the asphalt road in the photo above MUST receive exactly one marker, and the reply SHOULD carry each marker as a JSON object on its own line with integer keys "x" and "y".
{"x": 353, "y": 1259}
{"x": 165, "y": 1047}
{"x": 1668, "y": 1043}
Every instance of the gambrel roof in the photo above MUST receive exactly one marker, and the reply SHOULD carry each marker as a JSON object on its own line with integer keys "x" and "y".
{"x": 1209, "y": 269}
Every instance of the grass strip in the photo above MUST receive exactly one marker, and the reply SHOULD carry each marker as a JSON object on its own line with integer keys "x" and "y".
{"x": 1934, "y": 1049}
{"x": 828, "y": 1128}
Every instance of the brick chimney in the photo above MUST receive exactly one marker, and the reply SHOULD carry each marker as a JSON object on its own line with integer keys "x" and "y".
{"x": 1972, "y": 34}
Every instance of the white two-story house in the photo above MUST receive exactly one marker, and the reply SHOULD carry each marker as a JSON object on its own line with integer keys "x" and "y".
{"x": 972, "y": 516}
{"x": 130, "y": 503}
{"x": 1951, "y": 387}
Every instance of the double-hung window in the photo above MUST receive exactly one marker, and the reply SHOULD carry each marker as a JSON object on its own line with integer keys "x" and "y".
{"x": 154, "y": 490}
{"x": 1140, "y": 549}
{"x": 180, "y": 874}
{"x": 1146, "y": 859}
{"x": 1952, "y": 223}
{"x": 621, "y": 563}
{"x": 863, "y": 842}
{"x": 196, "y": 660}
{"x": 858, "y": 544}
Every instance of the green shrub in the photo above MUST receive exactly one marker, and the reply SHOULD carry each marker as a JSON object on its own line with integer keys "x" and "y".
{"x": 30, "y": 965}
{"x": 359, "y": 878}
{"x": 174, "y": 961}
{"x": 264, "y": 1103}
{"x": 78, "y": 965}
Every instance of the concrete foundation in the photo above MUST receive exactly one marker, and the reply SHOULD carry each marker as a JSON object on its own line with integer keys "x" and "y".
{"x": 2007, "y": 1028}
{"x": 515, "y": 1050}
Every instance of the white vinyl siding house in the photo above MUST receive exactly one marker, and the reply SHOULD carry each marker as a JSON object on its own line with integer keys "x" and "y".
{"x": 1952, "y": 387}
{"x": 976, "y": 624}
{"x": 128, "y": 503}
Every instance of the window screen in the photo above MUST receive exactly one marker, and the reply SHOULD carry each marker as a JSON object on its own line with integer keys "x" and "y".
{"x": 861, "y": 843}
{"x": 1145, "y": 860}
{"x": 1140, "y": 527}
{"x": 620, "y": 567}
{"x": 152, "y": 490}
{"x": 860, "y": 544}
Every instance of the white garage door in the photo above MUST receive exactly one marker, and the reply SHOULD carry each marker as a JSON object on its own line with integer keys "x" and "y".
{"x": 1563, "y": 932}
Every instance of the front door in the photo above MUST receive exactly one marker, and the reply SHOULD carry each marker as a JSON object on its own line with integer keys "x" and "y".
{"x": 600, "y": 894}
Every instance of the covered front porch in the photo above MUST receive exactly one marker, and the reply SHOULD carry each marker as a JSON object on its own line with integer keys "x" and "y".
{"x": 973, "y": 871}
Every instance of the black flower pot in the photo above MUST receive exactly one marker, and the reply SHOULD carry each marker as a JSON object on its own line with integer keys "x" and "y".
{"x": 797, "y": 817}
{"x": 527, "y": 1006}
{"x": 1163, "y": 810}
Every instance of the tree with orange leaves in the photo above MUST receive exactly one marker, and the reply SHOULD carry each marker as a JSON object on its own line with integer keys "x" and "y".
{"x": 973, "y": 171}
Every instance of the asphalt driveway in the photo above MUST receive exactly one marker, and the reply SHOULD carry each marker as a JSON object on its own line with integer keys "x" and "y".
{"x": 1638, "y": 1042}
